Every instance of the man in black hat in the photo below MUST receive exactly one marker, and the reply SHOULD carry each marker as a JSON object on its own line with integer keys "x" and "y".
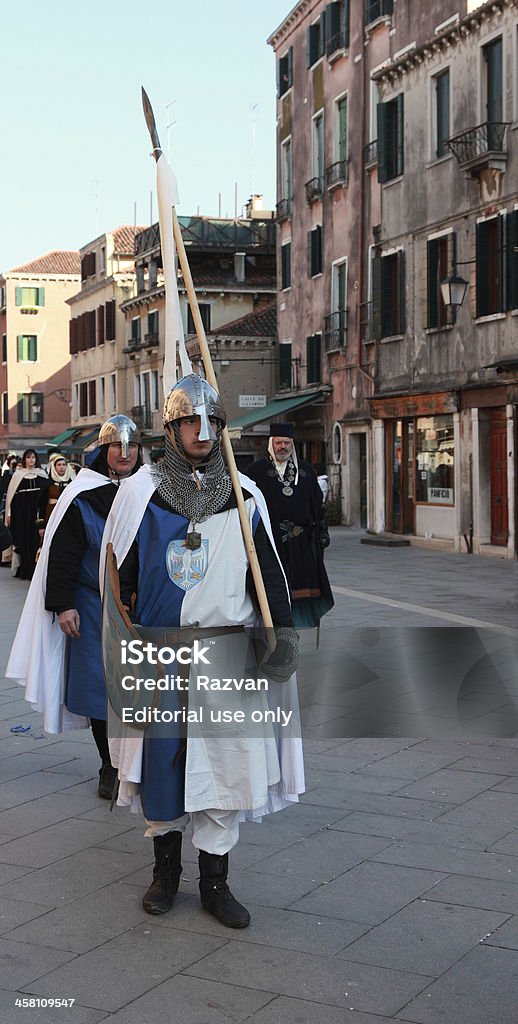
{"x": 294, "y": 501}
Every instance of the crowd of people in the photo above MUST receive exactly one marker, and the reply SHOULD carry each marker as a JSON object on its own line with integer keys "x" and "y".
{"x": 183, "y": 563}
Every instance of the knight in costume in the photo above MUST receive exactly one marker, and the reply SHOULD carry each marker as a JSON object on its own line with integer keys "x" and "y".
{"x": 178, "y": 543}
{"x": 63, "y": 606}
{"x": 294, "y": 499}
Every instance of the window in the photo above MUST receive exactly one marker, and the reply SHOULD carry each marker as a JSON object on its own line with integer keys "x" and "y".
{"x": 75, "y": 402}
{"x": 87, "y": 265}
{"x": 30, "y": 407}
{"x": 285, "y": 364}
{"x": 155, "y": 391}
{"x": 441, "y": 126}
{"x": 27, "y": 348}
{"x": 285, "y": 72}
{"x": 390, "y": 139}
{"x": 4, "y": 348}
{"x": 100, "y": 325}
{"x": 316, "y": 40}
{"x": 388, "y": 294}
{"x": 340, "y": 129}
{"x": 135, "y": 331}
{"x": 30, "y": 296}
{"x": 286, "y": 170}
{"x": 114, "y": 391}
{"x": 110, "y": 320}
{"x": 315, "y": 251}
{"x": 337, "y": 19}
{"x": 102, "y": 396}
{"x": 83, "y": 398}
{"x": 102, "y": 259}
{"x": 375, "y": 9}
{"x": 286, "y": 265}
{"x": 318, "y": 151}
{"x": 440, "y": 255}
{"x": 204, "y": 308}
{"x": 490, "y": 255}
{"x": 435, "y": 460}
{"x": 2, "y": 296}
{"x": 313, "y": 359}
{"x": 492, "y": 87}
{"x": 5, "y": 407}
{"x": 92, "y": 398}
{"x": 152, "y": 323}
{"x": 336, "y": 322}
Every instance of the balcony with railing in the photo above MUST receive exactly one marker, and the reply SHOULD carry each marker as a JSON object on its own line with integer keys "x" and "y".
{"x": 367, "y": 322}
{"x": 337, "y": 174}
{"x": 151, "y": 339}
{"x": 370, "y": 154}
{"x": 314, "y": 189}
{"x": 335, "y": 330}
{"x": 142, "y": 417}
{"x": 376, "y": 9}
{"x": 481, "y": 147}
{"x": 283, "y": 210}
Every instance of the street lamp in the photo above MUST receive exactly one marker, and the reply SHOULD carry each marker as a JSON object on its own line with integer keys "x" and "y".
{"x": 453, "y": 290}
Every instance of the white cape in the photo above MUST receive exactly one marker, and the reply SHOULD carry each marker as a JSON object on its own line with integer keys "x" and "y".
{"x": 121, "y": 528}
{"x": 38, "y": 652}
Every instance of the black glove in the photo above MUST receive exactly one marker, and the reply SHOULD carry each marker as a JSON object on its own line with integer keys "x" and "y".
{"x": 324, "y": 537}
{"x": 285, "y": 658}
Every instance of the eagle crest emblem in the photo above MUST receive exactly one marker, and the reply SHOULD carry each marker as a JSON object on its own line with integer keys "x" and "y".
{"x": 185, "y": 567}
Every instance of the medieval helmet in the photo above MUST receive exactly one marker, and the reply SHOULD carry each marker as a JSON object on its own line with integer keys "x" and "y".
{"x": 119, "y": 429}
{"x": 194, "y": 396}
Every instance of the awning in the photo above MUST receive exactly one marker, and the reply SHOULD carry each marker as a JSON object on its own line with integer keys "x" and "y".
{"x": 273, "y": 411}
{"x": 91, "y": 434}
{"x": 60, "y": 439}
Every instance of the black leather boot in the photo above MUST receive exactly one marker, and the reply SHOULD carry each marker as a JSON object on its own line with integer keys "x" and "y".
{"x": 166, "y": 873}
{"x": 107, "y": 780}
{"x": 215, "y": 893}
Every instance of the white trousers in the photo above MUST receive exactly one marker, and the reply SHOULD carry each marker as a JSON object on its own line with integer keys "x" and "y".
{"x": 213, "y": 831}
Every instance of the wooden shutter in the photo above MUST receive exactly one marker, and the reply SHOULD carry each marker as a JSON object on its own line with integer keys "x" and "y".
{"x": 512, "y": 260}
{"x": 18, "y": 302}
{"x": 401, "y": 293}
{"x": 400, "y": 136}
{"x": 41, "y": 296}
{"x": 110, "y": 320}
{"x": 100, "y": 325}
{"x": 482, "y": 270}
{"x": 381, "y": 113}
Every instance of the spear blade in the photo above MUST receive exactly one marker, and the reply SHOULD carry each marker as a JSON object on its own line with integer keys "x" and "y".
{"x": 150, "y": 121}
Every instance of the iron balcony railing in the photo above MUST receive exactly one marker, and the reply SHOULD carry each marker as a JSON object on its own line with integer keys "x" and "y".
{"x": 337, "y": 174}
{"x": 151, "y": 339}
{"x": 475, "y": 143}
{"x": 370, "y": 154}
{"x": 284, "y": 209}
{"x": 335, "y": 330}
{"x": 338, "y": 41}
{"x": 314, "y": 189}
{"x": 375, "y": 9}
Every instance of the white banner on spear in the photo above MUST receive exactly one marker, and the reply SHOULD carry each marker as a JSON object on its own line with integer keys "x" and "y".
{"x": 167, "y": 193}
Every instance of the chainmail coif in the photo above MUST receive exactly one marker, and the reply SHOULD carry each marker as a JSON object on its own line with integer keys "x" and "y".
{"x": 196, "y": 492}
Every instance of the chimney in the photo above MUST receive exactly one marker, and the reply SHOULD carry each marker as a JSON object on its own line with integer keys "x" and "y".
{"x": 239, "y": 266}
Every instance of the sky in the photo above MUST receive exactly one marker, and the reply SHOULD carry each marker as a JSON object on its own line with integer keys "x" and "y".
{"x": 76, "y": 150}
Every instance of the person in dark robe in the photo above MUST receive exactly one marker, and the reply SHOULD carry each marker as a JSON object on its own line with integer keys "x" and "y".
{"x": 294, "y": 501}
{"x": 21, "y": 510}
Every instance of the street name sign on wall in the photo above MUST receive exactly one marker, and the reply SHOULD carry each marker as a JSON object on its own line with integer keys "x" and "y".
{"x": 252, "y": 401}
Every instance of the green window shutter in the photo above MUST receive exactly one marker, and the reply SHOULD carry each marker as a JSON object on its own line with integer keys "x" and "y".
{"x": 482, "y": 270}
{"x": 401, "y": 297}
{"x": 32, "y": 353}
{"x": 41, "y": 297}
{"x": 19, "y": 348}
{"x": 400, "y": 136}
{"x": 432, "y": 316}
{"x": 512, "y": 260}
{"x": 18, "y": 298}
{"x": 376, "y": 297}
{"x": 19, "y": 405}
{"x": 382, "y": 142}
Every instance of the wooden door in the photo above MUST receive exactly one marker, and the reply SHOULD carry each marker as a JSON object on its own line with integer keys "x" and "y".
{"x": 498, "y": 476}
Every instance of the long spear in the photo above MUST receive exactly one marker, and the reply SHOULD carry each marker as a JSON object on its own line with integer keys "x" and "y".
{"x": 211, "y": 377}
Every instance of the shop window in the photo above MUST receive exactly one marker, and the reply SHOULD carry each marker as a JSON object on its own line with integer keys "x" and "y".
{"x": 435, "y": 460}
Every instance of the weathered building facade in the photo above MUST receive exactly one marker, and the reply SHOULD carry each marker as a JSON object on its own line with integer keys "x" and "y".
{"x": 35, "y": 371}
{"x": 329, "y": 216}
{"x": 445, "y": 407}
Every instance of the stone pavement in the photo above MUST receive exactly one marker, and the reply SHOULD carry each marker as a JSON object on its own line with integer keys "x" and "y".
{"x": 390, "y": 893}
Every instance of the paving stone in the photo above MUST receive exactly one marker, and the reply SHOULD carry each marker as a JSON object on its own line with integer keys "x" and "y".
{"x": 21, "y": 962}
{"x": 46, "y": 810}
{"x": 350, "y": 782}
{"x": 285, "y": 929}
{"x": 498, "y": 762}
{"x": 73, "y": 877}
{"x": 481, "y": 989}
{"x": 408, "y": 764}
{"x": 284, "y": 1010}
{"x": 368, "y": 893}
{"x": 114, "y": 974}
{"x": 56, "y": 842}
{"x": 406, "y": 807}
{"x": 30, "y": 761}
{"x": 417, "y": 830}
{"x": 487, "y": 894}
{"x": 87, "y": 922}
{"x": 509, "y": 844}
{"x": 450, "y": 786}
{"x": 76, "y": 1014}
{"x": 316, "y": 978}
{"x": 326, "y": 855}
{"x": 450, "y": 859}
{"x": 16, "y": 912}
{"x": 26, "y": 789}
{"x": 195, "y": 1002}
{"x": 507, "y": 786}
{"x": 426, "y": 937}
{"x": 502, "y": 808}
